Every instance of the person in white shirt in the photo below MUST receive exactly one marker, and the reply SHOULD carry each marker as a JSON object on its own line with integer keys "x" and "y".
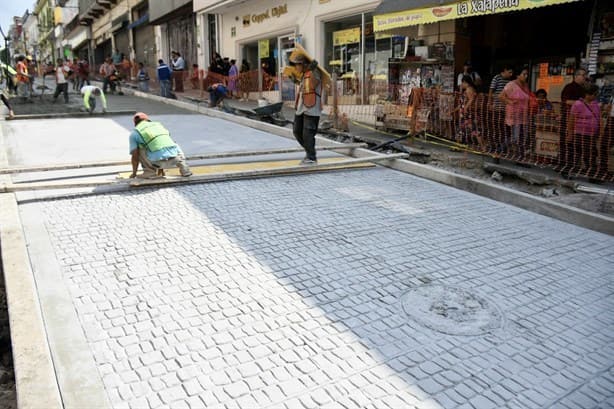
{"x": 178, "y": 64}
{"x": 90, "y": 92}
{"x": 61, "y": 80}
{"x": 468, "y": 70}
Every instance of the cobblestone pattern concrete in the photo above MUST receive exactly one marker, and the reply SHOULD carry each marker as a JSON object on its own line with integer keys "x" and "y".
{"x": 286, "y": 292}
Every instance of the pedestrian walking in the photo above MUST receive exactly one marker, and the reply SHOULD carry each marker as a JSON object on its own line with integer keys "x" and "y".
{"x": 164, "y": 78}
{"x": 7, "y": 104}
{"x": 62, "y": 72}
{"x": 23, "y": 78}
{"x": 151, "y": 145}
{"x": 90, "y": 92}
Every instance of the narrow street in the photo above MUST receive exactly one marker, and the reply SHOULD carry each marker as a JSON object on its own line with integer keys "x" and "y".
{"x": 367, "y": 288}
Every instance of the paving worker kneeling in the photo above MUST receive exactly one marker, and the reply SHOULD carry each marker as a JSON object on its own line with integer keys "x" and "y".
{"x": 151, "y": 145}
{"x": 90, "y": 92}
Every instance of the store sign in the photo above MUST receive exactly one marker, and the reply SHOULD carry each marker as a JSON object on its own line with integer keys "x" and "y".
{"x": 349, "y": 36}
{"x": 263, "y": 46}
{"x": 451, "y": 11}
{"x": 261, "y": 17}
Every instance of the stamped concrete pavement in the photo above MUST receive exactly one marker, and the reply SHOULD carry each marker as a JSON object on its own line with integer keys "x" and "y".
{"x": 313, "y": 292}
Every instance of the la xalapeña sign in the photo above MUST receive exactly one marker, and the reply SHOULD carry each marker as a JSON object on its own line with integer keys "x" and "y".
{"x": 461, "y": 9}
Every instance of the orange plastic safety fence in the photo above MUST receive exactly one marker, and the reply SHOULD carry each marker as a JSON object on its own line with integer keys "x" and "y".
{"x": 572, "y": 141}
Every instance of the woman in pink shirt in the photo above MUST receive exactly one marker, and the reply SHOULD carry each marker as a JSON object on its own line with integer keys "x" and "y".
{"x": 516, "y": 96}
{"x": 583, "y": 131}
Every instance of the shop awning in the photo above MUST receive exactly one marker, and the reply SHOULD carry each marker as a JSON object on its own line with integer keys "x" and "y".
{"x": 140, "y": 21}
{"x": 395, "y": 14}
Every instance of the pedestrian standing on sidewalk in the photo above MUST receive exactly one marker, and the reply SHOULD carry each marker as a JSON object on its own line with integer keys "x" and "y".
{"x": 90, "y": 92}
{"x": 570, "y": 94}
{"x": 143, "y": 77}
{"x": 151, "y": 145}
{"x": 62, "y": 72}
{"x": 517, "y": 96}
{"x": 308, "y": 105}
{"x": 233, "y": 76}
{"x": 164, "y": 78}
{"x": 179, "y": 67}
{"x": 583, "y": 131}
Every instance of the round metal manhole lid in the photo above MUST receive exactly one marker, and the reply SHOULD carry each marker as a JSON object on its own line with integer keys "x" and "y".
{"x": 451, "y": 310}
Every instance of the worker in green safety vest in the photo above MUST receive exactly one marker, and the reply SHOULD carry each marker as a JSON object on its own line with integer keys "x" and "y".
{"x": 151, "y": 145}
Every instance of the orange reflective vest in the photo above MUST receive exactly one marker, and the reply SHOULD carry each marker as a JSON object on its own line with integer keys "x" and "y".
{"x": 309, "y": 87}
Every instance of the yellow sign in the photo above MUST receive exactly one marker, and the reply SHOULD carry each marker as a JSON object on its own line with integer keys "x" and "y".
{"x": 261, "y": 17}
{"x": 451, "y": 11}
{"x": 57, "y": 15}
{"x": 263, "y": 46}
{"x": 349, "y": 36}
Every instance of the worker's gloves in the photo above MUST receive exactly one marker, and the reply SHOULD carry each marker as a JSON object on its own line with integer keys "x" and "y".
{"x": 313, "y": 65}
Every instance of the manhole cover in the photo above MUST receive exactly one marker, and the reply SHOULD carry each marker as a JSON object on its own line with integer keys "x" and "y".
{"x": 450, "y": 310}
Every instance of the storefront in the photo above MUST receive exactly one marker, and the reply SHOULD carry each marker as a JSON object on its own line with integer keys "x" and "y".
{"x": 339, "y": 34}
{"x": 143, "y": 36}
{"x": 79, "y": 39}
{"x": 177, "y": 27}
{"x": 492, "y": 34}
{"x": 103, "y": 43}
{"x": 121, "y": 34}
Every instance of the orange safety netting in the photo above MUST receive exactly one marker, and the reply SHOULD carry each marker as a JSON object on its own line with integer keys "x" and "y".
{"x": 532, "y": 132}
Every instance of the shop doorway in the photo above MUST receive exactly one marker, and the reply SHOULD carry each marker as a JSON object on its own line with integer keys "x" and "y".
{"x": 554, "y": 37}
{"x": 286, "y": 46}
{"x": 269, "y": 56}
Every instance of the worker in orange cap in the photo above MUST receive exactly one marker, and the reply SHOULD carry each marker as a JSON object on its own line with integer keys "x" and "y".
{"x": 151, "y": 145}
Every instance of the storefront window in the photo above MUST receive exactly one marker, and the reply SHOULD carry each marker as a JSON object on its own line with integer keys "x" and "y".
{"x": 358, "y": 74}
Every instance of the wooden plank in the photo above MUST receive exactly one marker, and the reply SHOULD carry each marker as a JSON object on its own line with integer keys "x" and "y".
{"x": 79, "y": 114}
{"x": 289, "y": 170}
{"x": 201, "y": 178}
{"x": 219, "y": 155}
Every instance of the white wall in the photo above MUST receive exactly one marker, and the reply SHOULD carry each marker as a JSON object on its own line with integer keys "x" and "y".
{"x": 303, "y": 17}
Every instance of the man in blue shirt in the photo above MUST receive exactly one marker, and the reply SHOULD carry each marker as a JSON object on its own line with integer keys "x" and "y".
{"x": 151, "y": 145}
{"x": 164, "y": 77}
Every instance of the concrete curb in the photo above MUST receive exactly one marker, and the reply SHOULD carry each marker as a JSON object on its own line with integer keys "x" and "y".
{"x": 78, "y": 378}
{"x": 35, "y": 378}
{"x": 569, "y": 214}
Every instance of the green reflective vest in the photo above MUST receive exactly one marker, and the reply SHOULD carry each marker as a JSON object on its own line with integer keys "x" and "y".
{"x": 154, "y": 135}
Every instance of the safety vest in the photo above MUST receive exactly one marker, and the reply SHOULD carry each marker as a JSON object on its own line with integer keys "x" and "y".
{"x": 309, "y": 90}
{"x": 154, "y": 135}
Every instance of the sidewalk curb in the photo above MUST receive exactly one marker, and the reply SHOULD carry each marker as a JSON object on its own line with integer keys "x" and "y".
{"x": 35, "y": 379}
{"x": 559, "y": 211}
